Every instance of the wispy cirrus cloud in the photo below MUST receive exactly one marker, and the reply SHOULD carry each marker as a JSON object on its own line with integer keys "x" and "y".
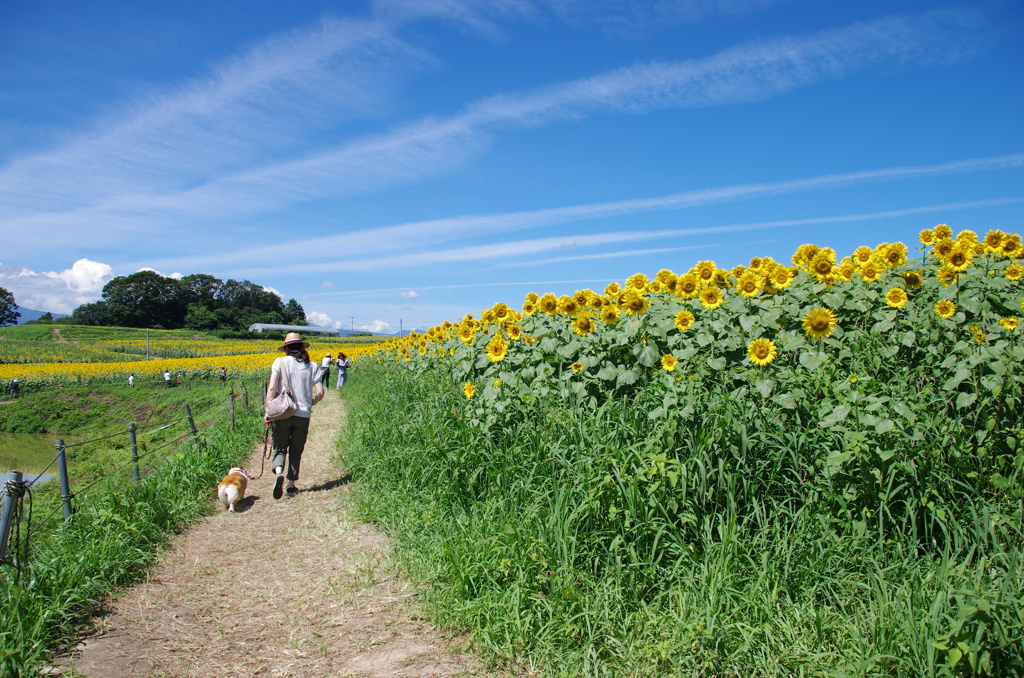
{"x": 401, "y": 244}
{"x": 237, "y": 144}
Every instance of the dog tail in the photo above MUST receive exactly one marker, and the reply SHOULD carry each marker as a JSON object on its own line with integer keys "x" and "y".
{"x": 228, "y": 496}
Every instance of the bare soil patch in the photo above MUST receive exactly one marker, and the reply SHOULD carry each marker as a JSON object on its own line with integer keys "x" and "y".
{"x": 293, "y": 587}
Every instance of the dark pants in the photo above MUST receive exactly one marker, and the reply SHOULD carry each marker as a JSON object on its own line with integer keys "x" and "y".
{"x": 327, "y": 376}
{"x": 289, "y": 440}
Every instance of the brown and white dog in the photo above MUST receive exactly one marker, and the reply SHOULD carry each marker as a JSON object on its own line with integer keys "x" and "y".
{"x": 232, "y": 488}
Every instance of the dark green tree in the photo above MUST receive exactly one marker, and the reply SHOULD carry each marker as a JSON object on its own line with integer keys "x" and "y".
{"x": 144, "y": 299}
{"x": 294, "y": 314}
{"x": 8, "y": 308}
{"x": 95, "y": 313}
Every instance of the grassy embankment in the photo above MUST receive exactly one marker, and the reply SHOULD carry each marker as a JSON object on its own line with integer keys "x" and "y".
{"x": 640, "y": 497}
{"x": 118, "y": 527}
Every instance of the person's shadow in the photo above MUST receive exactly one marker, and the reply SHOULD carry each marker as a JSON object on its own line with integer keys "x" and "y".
{"x": 330, "y": 484}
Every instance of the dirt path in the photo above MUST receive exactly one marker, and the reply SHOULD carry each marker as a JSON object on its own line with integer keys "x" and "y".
{"x": 58, "y": 337}
{"x": 294, "y": 587}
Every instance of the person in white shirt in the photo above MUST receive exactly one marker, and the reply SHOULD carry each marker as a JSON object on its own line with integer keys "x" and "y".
{"x": 294, "y": 372}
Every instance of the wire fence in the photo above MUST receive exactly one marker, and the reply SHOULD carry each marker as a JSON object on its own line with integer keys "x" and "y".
{"x": 15, "y": 491}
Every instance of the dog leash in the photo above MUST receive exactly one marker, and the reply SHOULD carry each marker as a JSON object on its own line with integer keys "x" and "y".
{"x": 266, "y": 455}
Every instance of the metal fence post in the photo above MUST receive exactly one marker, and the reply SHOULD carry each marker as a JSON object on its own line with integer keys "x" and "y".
{"x": 65, "y": 486}
{"x": 8, "y": 512}
{"x": 191, "y": 423}
{"x": 135, "y": 452}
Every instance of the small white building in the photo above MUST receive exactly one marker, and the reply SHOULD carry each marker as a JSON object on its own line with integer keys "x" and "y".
{"x": 284, "y": 329}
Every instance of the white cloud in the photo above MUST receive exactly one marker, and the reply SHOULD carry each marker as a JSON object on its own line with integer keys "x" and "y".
{"x": 271, "y": 289}
{"x": 411, "y": 294}
{"x": 57, "y": 292}
{"x": 378, "y": 326}
{"x": 175, "y": 276}
{"x": 327, "y": 284}
{"x": 323, "y": 320}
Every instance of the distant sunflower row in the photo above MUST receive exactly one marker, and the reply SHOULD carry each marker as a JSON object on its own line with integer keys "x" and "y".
{"x": 947, "y": 256}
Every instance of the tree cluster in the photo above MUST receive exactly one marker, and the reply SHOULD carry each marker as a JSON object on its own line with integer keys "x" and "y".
{"x": 8, "y": 309}
{"x": 199, "y": 302}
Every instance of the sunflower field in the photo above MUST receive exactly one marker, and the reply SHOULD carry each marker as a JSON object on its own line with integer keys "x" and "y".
{"x": 101, "y": 357}
{"x": 800, "y": 468}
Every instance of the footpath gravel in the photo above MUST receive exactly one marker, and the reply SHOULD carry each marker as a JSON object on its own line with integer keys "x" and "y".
{"x": 294, "y": 587}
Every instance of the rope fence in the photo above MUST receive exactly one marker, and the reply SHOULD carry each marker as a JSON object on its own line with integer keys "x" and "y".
{"x": 15, "y": 489}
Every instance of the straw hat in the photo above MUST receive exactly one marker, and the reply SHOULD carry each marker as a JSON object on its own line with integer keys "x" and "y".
{"x": 292, "y": 338}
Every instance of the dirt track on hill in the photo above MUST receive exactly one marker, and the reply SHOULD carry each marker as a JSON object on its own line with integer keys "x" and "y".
{"x": 294, "y": 587}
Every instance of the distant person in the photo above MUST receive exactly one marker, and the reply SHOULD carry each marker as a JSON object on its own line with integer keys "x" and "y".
{"x": 325, "y": 367}
{"x": 343, "y": 364}
{"x": 179, "y": 380}
{"x": 302, "y": 378}
{"x": 131, "y": 381}
{"x": 167, "y": 378}
{"x": 223, "y": 376}
{"x": 14, "y": 387}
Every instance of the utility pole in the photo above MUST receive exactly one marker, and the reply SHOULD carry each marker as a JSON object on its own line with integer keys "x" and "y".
{"x": 399, "y": 328}
{"x": 352, "y": 324}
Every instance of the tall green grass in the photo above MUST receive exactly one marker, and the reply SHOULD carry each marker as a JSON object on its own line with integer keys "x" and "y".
{"x": 594, "y": 538}
{"x": 114, "y": 535}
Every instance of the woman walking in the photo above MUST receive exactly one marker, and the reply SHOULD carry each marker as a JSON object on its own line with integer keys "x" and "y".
{"x": 298, "y": 375}
{"x": 343, "y": 364}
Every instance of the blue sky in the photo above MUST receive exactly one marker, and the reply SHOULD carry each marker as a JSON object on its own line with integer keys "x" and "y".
{"x": 404, "y": 162}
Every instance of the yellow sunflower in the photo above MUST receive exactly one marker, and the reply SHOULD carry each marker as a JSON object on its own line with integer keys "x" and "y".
{"x": 634, "y": 304}
{"x": 1008, "y": 323}
{"x": 959, "y": 258}
{"x": 583, "y": 325}
{"x": 468, "y": 389}
{"x": 781, "y": 277}
{"x": 609, "y": 314}
{"x": 582, "y": 297}
{"x": 666, "y": 276}
{"x": 567, "y": 305}
{"x": 942, "y": 232}
{"x": 846, "y": 269}
{"x": 914, "y": 280}
{"x": 577, "y": 367}
{"x": 946, "y": 275}
{"x": 862, "y": 255}
{"x": 636, "y": 282}
{"x": 871, "y": 271}
{"x": 943, "y": 248}
{"x": 497, "y": 349}
{"x": 684, "y": 320}
{"x": 668, "y": 362}
{"x": 761, "y": 351}
{"x": 466, "y": 333}
{"x": 927, "y": 237}
{"x": 711, "y": 298}
{"x": 804, "y": 254}
{"x": 548, "y": 304}
{"x": 993, "y": 240}
{"x": 1014, "y": 272}
{"x": 612, "y": 290}
{"x": 945, "y": 309}
{"x": 749, "y": 284}
{"x": 487, "y": 316}
{"x": 822, "y": 266}
{"x": 515, "y": 332}
{"x": 819, "y": 322}
{"x": 896, "y": 297}
{"x": 501, "y": 311}
{"x": 1010, "y": 244}
{"x": 529, "y": 308}
{"x": 687, "y": 286}
{"x": 532, "y": 297}
{"x": 895, "y": 254}
{"x": 705, "y": 271}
